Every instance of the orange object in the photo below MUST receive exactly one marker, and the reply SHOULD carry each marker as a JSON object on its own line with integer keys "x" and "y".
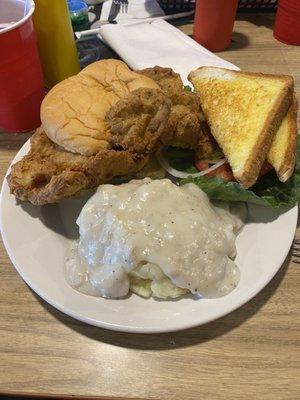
{"x": 56, "y": 42}
{"x": 287, "y": 22}
{"x": 213, "y": 23}
{"x": 225, "y": 171}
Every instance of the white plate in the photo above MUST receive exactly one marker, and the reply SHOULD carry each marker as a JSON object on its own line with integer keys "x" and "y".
{"x": 36, "y": 239}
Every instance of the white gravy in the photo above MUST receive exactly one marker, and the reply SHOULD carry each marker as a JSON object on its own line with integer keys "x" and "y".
{"x": 153, "y": 221}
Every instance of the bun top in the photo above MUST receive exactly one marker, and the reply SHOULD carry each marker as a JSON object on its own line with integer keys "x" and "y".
{"x": 73, "y": 112}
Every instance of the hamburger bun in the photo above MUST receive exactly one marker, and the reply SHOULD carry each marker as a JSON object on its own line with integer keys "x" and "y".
{"x": 73, "y": 112}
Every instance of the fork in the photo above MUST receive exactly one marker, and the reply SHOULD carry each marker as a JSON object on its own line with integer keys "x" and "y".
{"x": 296, "y": 251}
{"x": 124, "y": 6}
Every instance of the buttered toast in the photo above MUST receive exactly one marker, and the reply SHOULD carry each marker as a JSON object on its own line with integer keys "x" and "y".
{"x": 282, "y": 154}
{"x": 244, "y": 111}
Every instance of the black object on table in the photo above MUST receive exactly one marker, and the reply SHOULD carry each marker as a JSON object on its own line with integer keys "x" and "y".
{"x": 91, "y": 48}
{"x": 174, "y": 6}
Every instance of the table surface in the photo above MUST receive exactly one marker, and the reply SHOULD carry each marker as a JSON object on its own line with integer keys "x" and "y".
{"x": 249, "y": 354}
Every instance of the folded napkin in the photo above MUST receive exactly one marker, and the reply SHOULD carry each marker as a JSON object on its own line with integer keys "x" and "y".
{"x": 159, "y": 43}
{"x": 137, "y": 9}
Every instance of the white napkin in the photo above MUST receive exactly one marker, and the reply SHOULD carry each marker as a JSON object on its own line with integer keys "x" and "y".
{"x": 159, "y": 43}
{"x": 137, "y": 9}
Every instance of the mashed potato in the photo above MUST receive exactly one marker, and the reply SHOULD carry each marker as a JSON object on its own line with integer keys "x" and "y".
{"x": 154, "y": 238}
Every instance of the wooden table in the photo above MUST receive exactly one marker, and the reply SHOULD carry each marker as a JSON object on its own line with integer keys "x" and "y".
{"x": 249, "y": 354}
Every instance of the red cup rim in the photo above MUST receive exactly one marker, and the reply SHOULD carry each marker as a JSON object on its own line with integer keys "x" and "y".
{"x": 21, "y": 22}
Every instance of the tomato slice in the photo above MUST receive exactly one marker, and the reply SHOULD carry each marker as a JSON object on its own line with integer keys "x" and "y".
{"x": 225, "y": 171}
{"x": 266, "y": 167}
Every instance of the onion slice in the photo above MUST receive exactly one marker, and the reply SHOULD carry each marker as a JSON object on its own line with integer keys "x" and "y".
{"x": 180, "y": 174}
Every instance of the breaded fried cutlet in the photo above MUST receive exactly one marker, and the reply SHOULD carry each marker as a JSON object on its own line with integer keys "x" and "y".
{"x": 132, "y": 125}
{"x": 186, "y": 116}
{"x": 49, "y": 173}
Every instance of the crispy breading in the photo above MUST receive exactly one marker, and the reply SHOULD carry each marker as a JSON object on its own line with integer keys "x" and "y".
{"x": 186, "y": 115}
{"x": 139, "y": 120}
{"x": 186, "y": 127}
{"x": 49, "y": 173}
{"x": 168, "y": 80}
{"x": 152, "y": 170}
{"x": 207, "y": 147}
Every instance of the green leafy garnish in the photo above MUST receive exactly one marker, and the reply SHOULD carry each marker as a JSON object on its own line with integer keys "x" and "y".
{"x": 188, "y": 88}
{"x": 268, "y": 190}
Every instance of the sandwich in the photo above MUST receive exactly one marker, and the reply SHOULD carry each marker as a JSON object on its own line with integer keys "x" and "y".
{"x": 98, "y": 125}
{"x": 73, "y": 112}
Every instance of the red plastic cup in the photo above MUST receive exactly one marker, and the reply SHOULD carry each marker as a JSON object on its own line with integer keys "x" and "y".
{"x": 21, "y": 79}
{"x": 287, "y": 22}
{"x": 213, "y": 23}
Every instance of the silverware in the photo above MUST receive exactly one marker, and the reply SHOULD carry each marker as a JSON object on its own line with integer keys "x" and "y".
{"x": 96, "y": 31}
{"x": 114, "y": 10}
{"x": 296, "y": 251}
{"x": 124, "y": 6}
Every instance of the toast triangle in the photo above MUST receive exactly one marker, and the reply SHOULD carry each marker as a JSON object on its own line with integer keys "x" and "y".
{"x": 282, "y": 154}
{"x": 244, "y": 110}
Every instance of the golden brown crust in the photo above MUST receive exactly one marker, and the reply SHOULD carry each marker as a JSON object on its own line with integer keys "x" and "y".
{"x": 48, "y": 173}
{"x": 286, "y": 169}
{"x": 186, "y": 114}
{"x": 253, "y": 165}
{"x": 168, "y": 80}
{"x": 247, "y": 172}
{"x": 207, "y": 148}
{"x": 285, "y": 78}
{"x": 139, "y": 121}
{"x": 185, "y": 126}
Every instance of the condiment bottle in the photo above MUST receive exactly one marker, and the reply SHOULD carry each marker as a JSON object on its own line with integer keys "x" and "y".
{"x": 78, "y": 11}
{"x": 213, "y": 23}
{"x": 56, "y": 41}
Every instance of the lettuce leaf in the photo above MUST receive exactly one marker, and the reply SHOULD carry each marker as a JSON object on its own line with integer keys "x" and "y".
{"x": 276, "y": 195}
{"x": 268, "y": 191}
{"x": 188, "y": 88}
